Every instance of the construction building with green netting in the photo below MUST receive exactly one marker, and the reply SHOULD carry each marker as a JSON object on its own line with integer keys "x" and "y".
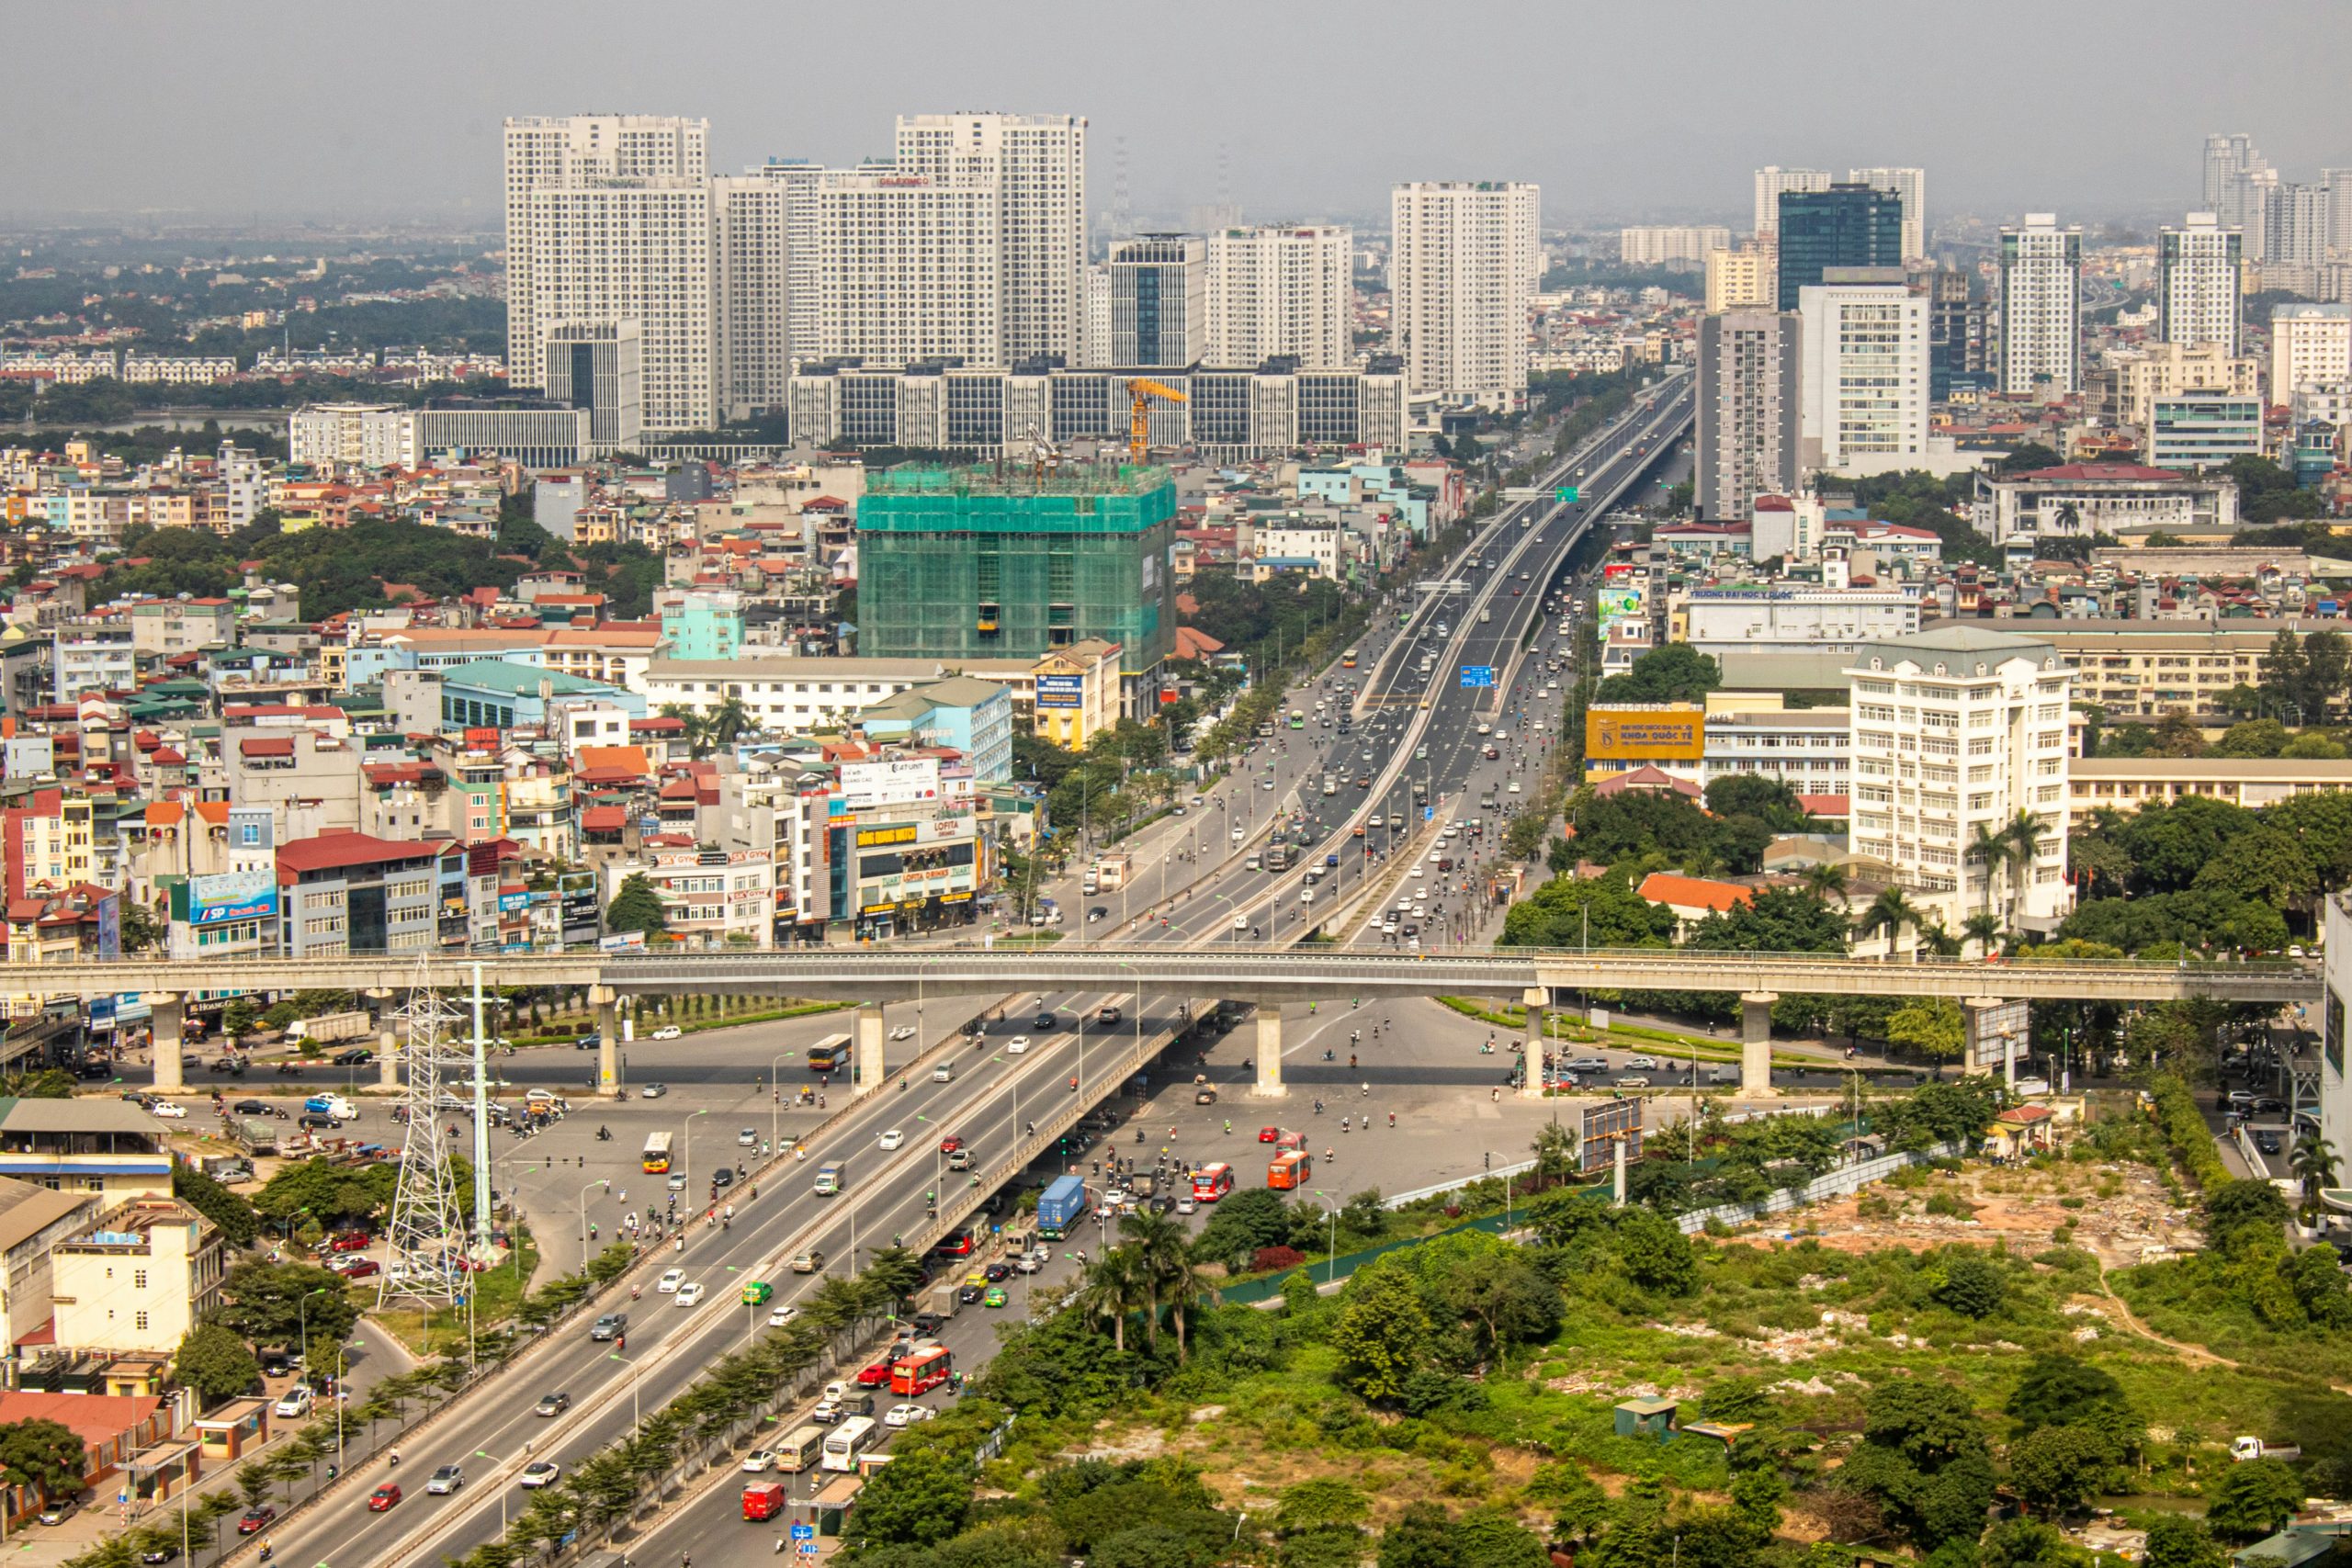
{"x": 990, "y": 563}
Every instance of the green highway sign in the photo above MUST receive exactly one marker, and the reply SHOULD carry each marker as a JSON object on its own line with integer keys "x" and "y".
{"x": 1567, "y": 494}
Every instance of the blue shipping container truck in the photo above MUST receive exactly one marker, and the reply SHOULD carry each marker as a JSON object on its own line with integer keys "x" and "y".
{"x": 1062, "y": 1204}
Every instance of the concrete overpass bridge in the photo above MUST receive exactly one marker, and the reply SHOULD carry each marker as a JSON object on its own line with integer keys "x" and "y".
{"x": 1535, "y": 978}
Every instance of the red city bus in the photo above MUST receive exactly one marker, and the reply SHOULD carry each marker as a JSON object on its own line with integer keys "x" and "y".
{"x": 1212, "y": 1182}
{"x": 1290, "y": 1172}
{"x": 921, "y": 1372}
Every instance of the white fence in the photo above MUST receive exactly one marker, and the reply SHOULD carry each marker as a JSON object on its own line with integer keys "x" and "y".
{"x": 1833, "y": 1184}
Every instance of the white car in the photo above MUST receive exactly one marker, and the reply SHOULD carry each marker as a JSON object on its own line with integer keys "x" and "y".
{"x": 169, "y": 1111}
{"x": 1514, "y": 786}
{"x": 690, "y": 1294}
{"x": 893, "y": 1139}
{"x": 906, "y": 1415}
{"x": 540, "y": 1472}
{"x": 904, "y": 1031}
{"x": 758, "y": 1462}
{"x": 1016, "y": 1046}
{"x": 1641, "y": 1064}
{"x": 1237, "y": 835}
{"x": 1415, "y": 872}
{"x": 783, "y": 1316}
{"x": 669, "y": 1283}
{"x": 1185, "y": 1205}
{"x": 668, "y": 1031}
{"x": 1026, "y": 1264}
{"x": 1388, "y": 928}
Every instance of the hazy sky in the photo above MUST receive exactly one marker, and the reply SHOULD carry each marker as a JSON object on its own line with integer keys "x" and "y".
{"x": 325, "y": 107}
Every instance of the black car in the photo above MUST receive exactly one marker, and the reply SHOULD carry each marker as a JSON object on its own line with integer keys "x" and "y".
{"x": 924, "y": 1322}
{"x": 316, "y": 1121}
{"x": 165, "y": 1551}
{"x": 358, "y": 1056}
{"x": 1045, "y": 1021}
{"x": 969, "y": 1295}
{"x": 2267, "y": 1141}
{"x": 722, "y": 1176}
{"x": 588, "y": 1041}
{"x": 997, "y": 1274}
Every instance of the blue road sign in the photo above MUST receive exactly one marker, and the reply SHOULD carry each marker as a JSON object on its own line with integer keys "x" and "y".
{"x": 1477, "y": 675}
{"x": 804, "y": 1532}
{"x": 1427, "y": 812}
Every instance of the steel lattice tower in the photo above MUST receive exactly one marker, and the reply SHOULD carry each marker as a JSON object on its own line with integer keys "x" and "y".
{"x": 428, "y": 1230}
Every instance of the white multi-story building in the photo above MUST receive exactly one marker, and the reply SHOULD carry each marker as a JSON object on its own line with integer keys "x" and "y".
{"x": 2340, "y": 208}
{"x": 548, "y": 151}
{"x": 1159, "y": 301}
{"x": 2161, "y": 369}
{"x": 1095, "y": 332}
{"x": 1911, "y": 184}
{"x": 603, "y": 253}
{"x": 1465, "y": 261}
{"x": 599, "y": 367}
{"x": 908, "y": 269}
{"x": 1805, "y": 749}
{"x": 1958, "y": 729}
{"x": 1658, "y": 244}
{"x": 2310, "y": 346}
{"x": 1036, "y": 164}
{"x": 1862, "y": 405}
{"x": 1743, "y": 279}
{"x": 1281, "y": 289}
{"x": 1837, "y": 620}
{"x": 755, "y": 213}
{"x": 2197, "y": 282}
{"x": 351, "y": 435}
{"x": 2040, "y": 306}
{"x": 1771, "y": 181}
{"x": 2296, "y": 224}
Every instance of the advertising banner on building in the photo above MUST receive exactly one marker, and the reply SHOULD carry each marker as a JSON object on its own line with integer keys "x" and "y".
{"x": 899, "y": 782}
{"x": 231, "y": 896}
{"x": 1617, "y": 604}
{"x": 1645, "y": 734}
{"x": 1061, "y": 691}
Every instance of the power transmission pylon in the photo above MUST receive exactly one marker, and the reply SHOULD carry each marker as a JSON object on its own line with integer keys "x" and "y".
{"x": 428, "y": 1232}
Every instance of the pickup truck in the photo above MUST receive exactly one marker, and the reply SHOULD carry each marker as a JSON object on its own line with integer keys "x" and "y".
{"x": 2244, "y": 1449}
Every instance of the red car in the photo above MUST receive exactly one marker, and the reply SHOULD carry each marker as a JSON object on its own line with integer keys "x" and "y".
{"x": 358, "y": 1267}
{"x": 950, "y": 1144}
{"x": 380, "y": 1500}
{"x": 1268, "y": 1134}
{"x": 352, "y": 1241}
{"x": 875, "y": 1376}
{"x": 257, "y": 1520}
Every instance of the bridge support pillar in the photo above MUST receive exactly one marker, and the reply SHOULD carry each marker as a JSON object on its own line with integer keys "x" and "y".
{"x": 1270, "y": 1052}
{"x": 163, "y": 1023}
{"x": 1531, "y": 1084}
{"x": 388, "y": 1065}
{"x": 606, "y": 1002}
{"x": 1755, "y": 1042}
{"x": 873, "y": 1072}
{"x": 1988, "y": 1035}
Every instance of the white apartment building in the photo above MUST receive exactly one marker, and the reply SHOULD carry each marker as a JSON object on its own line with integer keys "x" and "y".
{"x": 2040, "y": 307}
{"x": 1281, "y": 289}
{"x": 546, "y": 152}
{"x": 1660, "y": 244}
{"x": 2310, "y": 346}
{"x": 1836, "y": 620}
{"x": 1159, "y": 301}
{"x": 1743, "y": 279}
{"x": 754, "y": 212}
{"x": 1805, "y": 749}
{"x": 361, "y": 436}
{"x": 909, "y": 268}
{"x": 1465, "y": 261}
{"x": 710, "y": 898}
{"x": 1036, "y": 164}
{"x": 2197, "y": 282}
{"x": 2296, "y": 223}
{"x": 2167, "y": 369}
{"x": 1958, "y": 729}
{"x": 1911, "y": 186}
{"x": 1862, "y": 403}
{"x": 634, "y": 250}
{"x": 1771, "y": 181}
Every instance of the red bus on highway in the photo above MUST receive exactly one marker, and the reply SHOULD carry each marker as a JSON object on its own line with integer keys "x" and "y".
{"x": 1290, "y": 1172}
{"x": 1212, "y": 1182}
{"x": 921, "y": 1372}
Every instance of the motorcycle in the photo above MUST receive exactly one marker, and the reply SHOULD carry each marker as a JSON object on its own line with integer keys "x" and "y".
{"x": 604, "y": 1134}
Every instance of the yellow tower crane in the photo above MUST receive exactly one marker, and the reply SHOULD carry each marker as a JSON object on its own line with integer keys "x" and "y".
{"x": 1139, "y": 394}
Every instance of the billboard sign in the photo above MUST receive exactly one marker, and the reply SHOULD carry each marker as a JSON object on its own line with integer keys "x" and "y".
{"x": 1061, "y": 691}
{"x": 231, "y": 896}
{"x": 899, "y": 782}
{"x": 1606, "y": 1126}
{"x": 1477, "y": 674}
{"x": 1617, "y": 604}
{"x": 1641, "y": 733}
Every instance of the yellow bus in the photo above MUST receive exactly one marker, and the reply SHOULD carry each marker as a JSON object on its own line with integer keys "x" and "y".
{"x": 657, "y": 1154}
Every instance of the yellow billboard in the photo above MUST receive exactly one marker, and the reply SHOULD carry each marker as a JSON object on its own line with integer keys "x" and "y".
{"x": 1676, "y": 733}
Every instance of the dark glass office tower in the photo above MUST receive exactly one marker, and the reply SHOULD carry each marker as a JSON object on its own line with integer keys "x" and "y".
{"x": 1846, "y": 225}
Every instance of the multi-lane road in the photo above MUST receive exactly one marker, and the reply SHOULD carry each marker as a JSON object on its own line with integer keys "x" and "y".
{"x": 1418, "y": 726}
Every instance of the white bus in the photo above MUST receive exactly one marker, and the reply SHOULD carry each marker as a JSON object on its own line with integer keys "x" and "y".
{"x": 846, "y": 1442}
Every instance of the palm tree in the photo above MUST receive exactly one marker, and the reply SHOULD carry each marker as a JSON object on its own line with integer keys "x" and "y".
{"x": 1162, "y": 1253}
{"x": 730, "y": 721}
{"x": 1114, "y": 1287}
{"x": 1888, "y": 912}
{"x": 1825, "y": 881}
{"x": 1989, "y": 847}
{"x": 2025, "y": 834}
{"x": 1985, "y": 931}
{"x": 2314, "y": 1163}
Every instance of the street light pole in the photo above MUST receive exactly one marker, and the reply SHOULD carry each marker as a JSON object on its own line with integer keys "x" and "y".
{"x": 583, "y": 1219}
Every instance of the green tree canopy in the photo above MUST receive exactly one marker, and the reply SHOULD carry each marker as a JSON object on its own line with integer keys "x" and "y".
{"x": 263, "y": 1303}
{"x": 635, "y": 907}
{"x": 1569, "y": 911}
{"x": 46, "y": 1455}
{"x": 1674, "y": 673}
{"x": 215, "y": 1363}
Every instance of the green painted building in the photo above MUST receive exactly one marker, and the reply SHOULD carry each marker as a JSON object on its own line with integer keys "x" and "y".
{"x": 978, "y": 563}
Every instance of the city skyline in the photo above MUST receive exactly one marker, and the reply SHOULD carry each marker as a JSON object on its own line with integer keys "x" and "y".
{"x": 1984, "y": 121}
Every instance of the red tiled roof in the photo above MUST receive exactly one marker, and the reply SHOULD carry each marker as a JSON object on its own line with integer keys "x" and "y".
{"x": 1825, "y": 805}
{"x": 2076, "y": 472}
{"x": 266, "y": 746}
{"x": 333, "y": 851}
{"x": 604, "y": 819}
{"x": 95, "y": 1419}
